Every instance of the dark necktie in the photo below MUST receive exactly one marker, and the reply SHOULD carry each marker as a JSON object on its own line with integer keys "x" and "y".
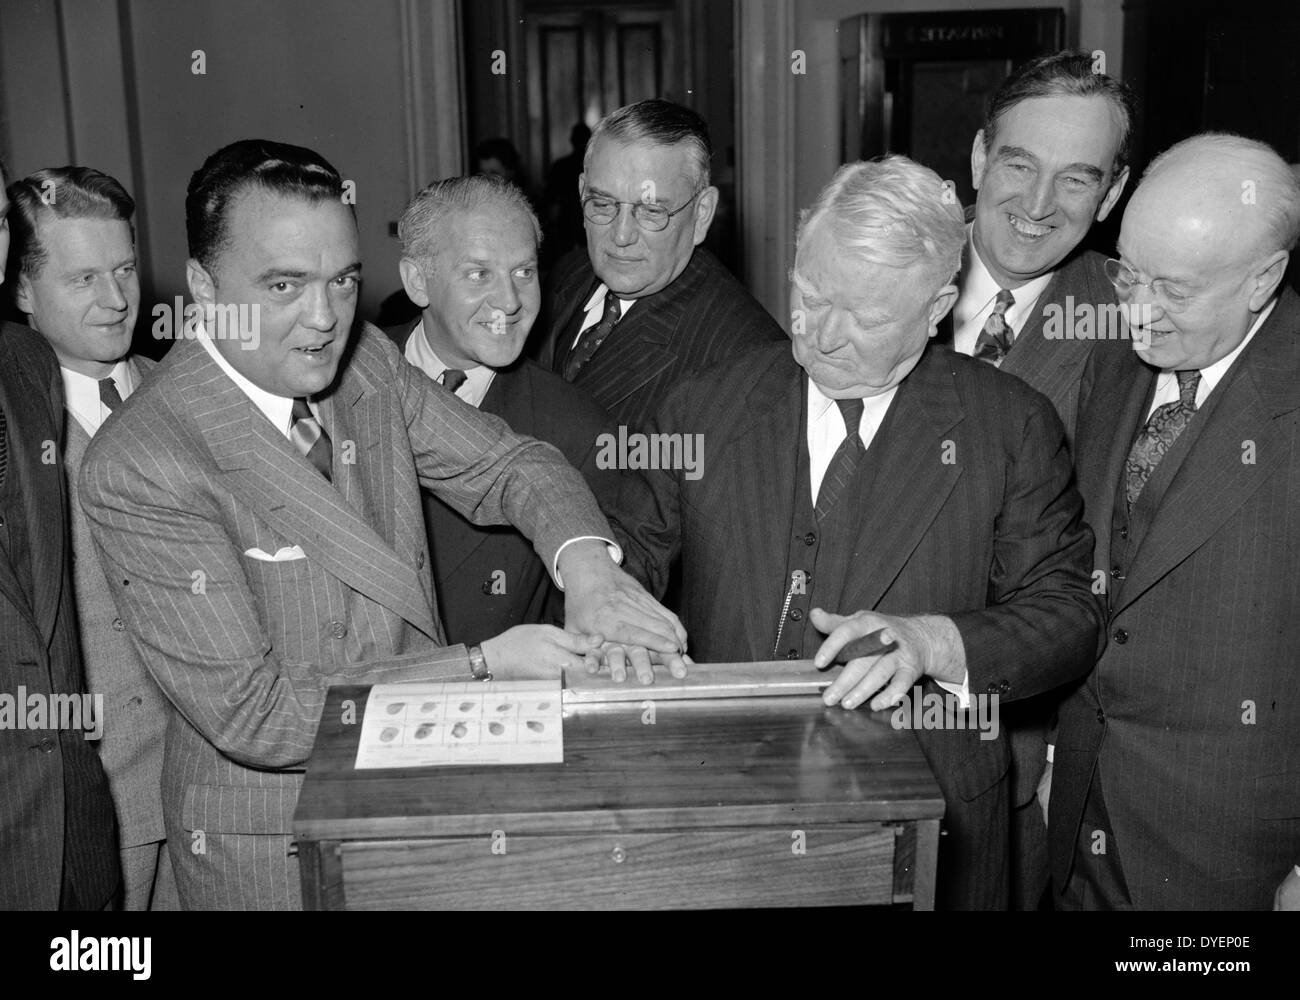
{"x": 1159, "y": 434}
{"x": 4, "y": 447}
{"x": 310, "y": 438}
{"x": 453, "y": 378}
{"x": 996, "y": 337}
{"x": 108, "y": 394}
{"x": 590, "y": 340}
{"x": 844, "y": 463}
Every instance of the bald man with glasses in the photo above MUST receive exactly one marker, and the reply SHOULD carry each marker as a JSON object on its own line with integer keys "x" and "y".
{"x": 644, "y": 304}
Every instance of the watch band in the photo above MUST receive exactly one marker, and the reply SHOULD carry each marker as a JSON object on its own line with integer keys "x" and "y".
{"x": 478, "y": 667}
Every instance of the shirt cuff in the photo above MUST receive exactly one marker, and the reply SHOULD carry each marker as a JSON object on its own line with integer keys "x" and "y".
{"x": 962, "y": 690}
{"x": 1051, "y": 750}
{"x": 615, "y": 553}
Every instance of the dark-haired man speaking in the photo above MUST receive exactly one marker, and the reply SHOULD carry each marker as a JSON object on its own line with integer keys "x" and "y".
{"x": 257, "y": 509}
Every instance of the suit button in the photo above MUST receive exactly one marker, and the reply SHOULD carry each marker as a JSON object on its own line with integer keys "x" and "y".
{"x": 1116, "y": 573}
{"x": 1101, "y": 716}
{"x": 119, "y": 625}
{"x": 46, "y": 744}
{"x": 1123, "y": 532}
{"x": 487, "y": 587}
{"x": 992, "y": 688}
{"x": 1004, "y": 687}
{"x": 810, "y": 538}
{"x": 338, "y": 630}
{"x": 796, "y": 615}
{"x": 419, "y": 561}
{"x": 792, "y": 654}
{"x": 1120, "y": 636}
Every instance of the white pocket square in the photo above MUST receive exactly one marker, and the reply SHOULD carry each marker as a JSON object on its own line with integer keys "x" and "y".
{"x": 286, "y": 554}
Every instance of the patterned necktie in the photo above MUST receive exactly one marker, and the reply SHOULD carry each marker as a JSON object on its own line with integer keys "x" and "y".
{"x": 590, "y": 340}
{"x": 4, "y": 447}
{"x": 310, "y": 438}
{"x": 996, "y": 338}
{"x": 845, "y": 461}
{"x": 108, "y": 394}
{"x": 453, "y": 378}
{"x": 1159, "y": 434}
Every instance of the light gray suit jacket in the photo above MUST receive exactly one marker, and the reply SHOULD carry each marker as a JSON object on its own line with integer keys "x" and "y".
{"x": 135, "y": 711}
{"x": 189, "y": 477}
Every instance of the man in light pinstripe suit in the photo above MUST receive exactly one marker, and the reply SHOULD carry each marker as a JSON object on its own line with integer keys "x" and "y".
{"x": 257, "y": 509}
{"x": 78, "y": 286}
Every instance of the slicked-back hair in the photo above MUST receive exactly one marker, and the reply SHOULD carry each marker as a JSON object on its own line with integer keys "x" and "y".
{"x": 892, "y": 211}
{"x": 424, "y": 222}
{"x": 60, "y": 193}
{"x": 659, "y": 123}
{"x": 1275, "y": 187}
{"x": 276, "y": 167}
{"x": 1065, "y": 74}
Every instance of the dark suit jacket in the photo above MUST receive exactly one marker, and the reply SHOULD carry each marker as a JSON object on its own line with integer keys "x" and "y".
{"x": 704, "y": 316}
{"x": 1192, "y": 719}
{"x": 51, "y": 784}
{"x": 189, "y": 483}
{"x": 466, "y": 556}
{"x": 1054, "y": 365}
{"x": 995, "y": 540}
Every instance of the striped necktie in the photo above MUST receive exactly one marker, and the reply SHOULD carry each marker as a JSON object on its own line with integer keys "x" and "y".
{"x": 997, "y": 336}
{"x": 310, "y": 438}
{"x": 1162, "y": 429}
{"x": 4, "y": 446}
{"x": 844, "y": 463}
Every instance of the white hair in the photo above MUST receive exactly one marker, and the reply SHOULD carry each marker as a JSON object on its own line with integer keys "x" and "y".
{"x": 890, "y": 211}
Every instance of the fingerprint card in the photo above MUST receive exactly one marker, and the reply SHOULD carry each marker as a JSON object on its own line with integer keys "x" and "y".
{"x": 462, "y": 722}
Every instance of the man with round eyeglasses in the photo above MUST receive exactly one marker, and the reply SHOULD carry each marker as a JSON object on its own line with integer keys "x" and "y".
{"x": 645, "y": 305}
{"x": 1176, "y": 762}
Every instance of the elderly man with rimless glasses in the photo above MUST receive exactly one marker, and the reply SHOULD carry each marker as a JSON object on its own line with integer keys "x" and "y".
{"x": 1177, "y": 764}
{"x": 645, "y": 305}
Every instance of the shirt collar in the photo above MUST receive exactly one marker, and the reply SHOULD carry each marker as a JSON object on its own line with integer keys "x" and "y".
{"x": 81, "y": 394}
{"x": 1211, "y": 375}
{"x": 421, "y": 354}
{"x": 277, "y": 409}
{"x": 979, "y": 287}
{"x": 597, "y": 301}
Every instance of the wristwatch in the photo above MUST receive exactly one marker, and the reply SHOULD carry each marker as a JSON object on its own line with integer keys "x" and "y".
{"x": 478, "y": 667}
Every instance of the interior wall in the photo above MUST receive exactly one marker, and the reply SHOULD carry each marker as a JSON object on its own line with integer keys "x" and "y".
{"x": 113, "y": 84}
{"x": 806, "y": 106}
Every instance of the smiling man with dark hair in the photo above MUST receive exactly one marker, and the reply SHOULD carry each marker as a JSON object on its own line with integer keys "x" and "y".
{"x": 257, "y": 508}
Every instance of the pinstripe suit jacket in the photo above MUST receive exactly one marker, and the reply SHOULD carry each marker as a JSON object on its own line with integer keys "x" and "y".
{"x": 1193, "y": 719}
{"x": 135, "y": 723}
{"x": 704, "y": 316}
{"x": 994, "y": 539}
{"x": 51, "y": 783}
{"x": 189, "y": 476}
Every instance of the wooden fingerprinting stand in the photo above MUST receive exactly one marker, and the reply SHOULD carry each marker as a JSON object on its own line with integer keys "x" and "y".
{"x": 734, "y": 788}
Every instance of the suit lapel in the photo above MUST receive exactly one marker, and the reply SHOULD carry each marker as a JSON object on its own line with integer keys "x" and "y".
{"x": 571, "y": 293}
{"x": 641, "y": 346}
{"x": 1106, "y": 430}
{"x": 909, "y": 475}
{"x": 269, "y": 474}
{"x": 14, "y": 386}
{"x": 763, "y": 465}
{"x": 1212, "y": 482}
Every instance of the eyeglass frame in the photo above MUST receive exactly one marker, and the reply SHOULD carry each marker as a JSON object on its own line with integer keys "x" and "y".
{"x": 1174, "y": 305}
{"x": 635, "y": 205}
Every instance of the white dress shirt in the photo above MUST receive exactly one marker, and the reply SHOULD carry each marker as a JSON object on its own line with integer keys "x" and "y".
{"x": 477, "y": 379}
{"x": 977, "y": 295}
{"x": 81, "y": 394}
{"x": 277, "y": 409}
{"x": 595, "y": 308}
{"x": 1167, "y": 381}
{"x": 826, "y": 429}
